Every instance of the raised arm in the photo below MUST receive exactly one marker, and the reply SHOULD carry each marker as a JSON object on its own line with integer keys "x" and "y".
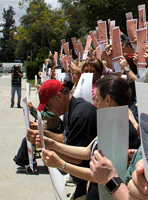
{"x": 125, "y": 66}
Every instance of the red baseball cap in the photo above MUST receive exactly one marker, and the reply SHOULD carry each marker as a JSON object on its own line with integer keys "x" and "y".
{"x": 48, "y": 90}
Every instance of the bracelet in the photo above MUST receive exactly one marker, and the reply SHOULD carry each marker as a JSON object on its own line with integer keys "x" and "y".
{"x": 63, "y": 166}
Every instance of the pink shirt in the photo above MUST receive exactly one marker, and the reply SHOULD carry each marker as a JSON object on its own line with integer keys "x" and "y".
{"x": 94, "y": 89}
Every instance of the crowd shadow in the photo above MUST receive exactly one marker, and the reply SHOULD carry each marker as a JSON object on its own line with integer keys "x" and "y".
{"x": 37, "y": 170}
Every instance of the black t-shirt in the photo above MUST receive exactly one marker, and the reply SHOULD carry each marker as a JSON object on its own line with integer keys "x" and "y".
{"x": 93, "y": 193}
{"x": 134, "y": 140}
{"x": 81, "y": 130}
{"x": 16, "y": 80}
{"x": 82, "y": 123}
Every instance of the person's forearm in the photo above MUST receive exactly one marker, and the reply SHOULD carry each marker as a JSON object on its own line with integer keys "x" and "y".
{"x": 131, "y": 75}
{"x": 121, "y": 193}
{"x": 54, "y": 136}
{"x": 83, "y": 153}
{"x": 12, "y": 75}
{"x": 33, "y": 112}
{"x": 69, "y": 159}
{"x": 79, "y": 172}
{"x": 21, "y": 75}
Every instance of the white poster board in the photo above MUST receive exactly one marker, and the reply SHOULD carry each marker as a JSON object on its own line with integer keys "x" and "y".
{"x": 113, "y": 140}
{"x": 43, "y": 77}
{"x": 40, "y": 128}
{"x": 26, "y": 118}
{"x": 58, "y": 74}
{"x": 142, "y": 102}
{"x": 58, "y": 181}
{"x": 36, "y": 91}
{"x": 28, "y": 88}
{"x": 84, "y": 87}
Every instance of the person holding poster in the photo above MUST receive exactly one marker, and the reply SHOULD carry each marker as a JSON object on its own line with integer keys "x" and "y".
{"x": 128, "y": 53}
{"x": 96, "y": 67}
{"x": 112, "y": 91}
{"x": 137, "y": 188}
{"x": 76, "y": 73}
{"x": 48, "y": 63}
{"x": 79, "y": 122}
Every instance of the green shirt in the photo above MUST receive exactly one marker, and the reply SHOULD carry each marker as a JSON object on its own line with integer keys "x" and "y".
{"x": 135, "y": 159}
{"x": 45, "y": 115}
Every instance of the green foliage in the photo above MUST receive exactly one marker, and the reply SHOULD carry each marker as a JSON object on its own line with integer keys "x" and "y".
{"x": 8, "y": 43}
{"x": 32, "y": 68}
{"x": 106, "y": 9}
{"x": 40, "y": 28}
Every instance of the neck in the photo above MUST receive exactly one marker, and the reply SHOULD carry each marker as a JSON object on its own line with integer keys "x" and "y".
{"x": 67, "y": 102}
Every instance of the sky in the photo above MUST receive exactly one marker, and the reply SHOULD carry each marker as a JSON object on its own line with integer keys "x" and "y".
{"x": 5, "y": 4}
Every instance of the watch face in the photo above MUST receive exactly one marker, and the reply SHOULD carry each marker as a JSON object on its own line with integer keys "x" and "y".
{"x": 111, "y": 185}
{"x": 127, "y": 69}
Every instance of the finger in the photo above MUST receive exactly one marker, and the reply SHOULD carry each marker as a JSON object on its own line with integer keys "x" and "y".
{"x": 132, "y": 151}
{"x": 100, "y": 151}
{"x": 140, "y": 182}
{"x": 135, "y": 191}
{"x": 131, "y": 197}
{"x": 32, "y": 132}
{"x": 140, "y": 167}
{"x": 97, "y": 155}
{"x": 44, "y": 160}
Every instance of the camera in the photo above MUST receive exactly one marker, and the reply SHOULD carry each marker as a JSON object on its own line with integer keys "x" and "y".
{"x": 15, "y": 68}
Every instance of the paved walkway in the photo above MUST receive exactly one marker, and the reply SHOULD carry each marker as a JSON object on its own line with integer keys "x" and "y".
{"x": 16, "y": 185}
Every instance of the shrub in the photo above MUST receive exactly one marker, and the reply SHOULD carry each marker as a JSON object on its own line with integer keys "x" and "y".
{"x": 32, "y": 68}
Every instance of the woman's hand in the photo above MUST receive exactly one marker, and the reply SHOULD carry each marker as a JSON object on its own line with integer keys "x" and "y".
{"x": 146, "y": 55}
{"x": 51, "y": 159}
{"x": 123, "y": 63}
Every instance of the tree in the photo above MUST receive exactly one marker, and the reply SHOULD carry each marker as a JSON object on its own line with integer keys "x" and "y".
{"x": 8, "y": 43}
{"x": 93, "y": 10}
{"x": 41, "y": 28}
{"x": 78, "y": 23}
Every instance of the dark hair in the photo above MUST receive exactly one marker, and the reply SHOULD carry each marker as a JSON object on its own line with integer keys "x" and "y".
{"x": 95, "y": 63}
{"x": 132, "y": 90}
{"x": 127, "y": 43}
{"x": 65, "y": 90}
{"x": 116, "y": 87}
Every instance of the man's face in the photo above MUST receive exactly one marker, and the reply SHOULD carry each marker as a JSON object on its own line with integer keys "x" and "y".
{"x": 19, "y": 67}
{"x": 56, "y": 105}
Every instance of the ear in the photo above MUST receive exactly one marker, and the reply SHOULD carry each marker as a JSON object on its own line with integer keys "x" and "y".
{"x": 108, "y": 100}
{"x": 60, "y": 95}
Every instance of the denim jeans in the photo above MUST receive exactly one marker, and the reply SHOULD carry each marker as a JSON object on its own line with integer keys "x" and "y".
{"x": 13, "y": 89}
{"x": 22, "y": 152}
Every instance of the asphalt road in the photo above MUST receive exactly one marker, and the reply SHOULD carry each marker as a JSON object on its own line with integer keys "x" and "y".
{"x": 14, "y": 182}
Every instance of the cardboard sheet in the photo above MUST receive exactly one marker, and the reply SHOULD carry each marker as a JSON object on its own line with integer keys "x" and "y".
{"x": 142, "y": 97}
{"x": 113, "y": 140}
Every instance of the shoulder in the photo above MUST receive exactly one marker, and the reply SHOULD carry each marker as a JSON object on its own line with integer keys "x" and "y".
{"x": 82, "y": 107}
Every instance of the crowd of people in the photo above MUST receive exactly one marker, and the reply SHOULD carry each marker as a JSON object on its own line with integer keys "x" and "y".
{"x": 71, "y": 144}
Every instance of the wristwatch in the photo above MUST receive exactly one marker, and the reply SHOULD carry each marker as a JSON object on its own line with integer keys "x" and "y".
{"x": 127, "y": 69}
{"x": 113, "y": 184}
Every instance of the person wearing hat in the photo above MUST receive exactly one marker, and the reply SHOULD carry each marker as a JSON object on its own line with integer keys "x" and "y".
{"x": 79, "y": 122}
